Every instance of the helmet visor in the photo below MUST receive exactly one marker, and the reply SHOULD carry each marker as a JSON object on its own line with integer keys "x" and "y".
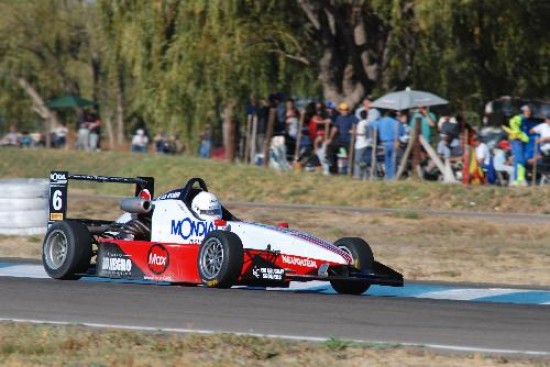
{"x": 211, "y": 212}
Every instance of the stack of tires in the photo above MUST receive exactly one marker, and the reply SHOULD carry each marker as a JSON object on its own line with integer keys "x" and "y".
{"x": 23, "y": 206}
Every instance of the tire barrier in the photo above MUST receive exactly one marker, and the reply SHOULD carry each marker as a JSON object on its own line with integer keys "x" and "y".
{"x": 23, "y": 206}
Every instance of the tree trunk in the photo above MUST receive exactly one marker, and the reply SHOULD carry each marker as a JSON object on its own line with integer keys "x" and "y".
{"x": 269, "y": 134}
{"x": 228, "y": 129}
{"x": 40, "y": 107}
{"x": 108, "y": 118}
{"x": 119, "y": 115}
{"x": 356, "y": 45}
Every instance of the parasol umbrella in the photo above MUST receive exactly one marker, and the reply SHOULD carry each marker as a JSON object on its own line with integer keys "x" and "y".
{"x": 69, "y": 101}
{"x": 406, "y": 99}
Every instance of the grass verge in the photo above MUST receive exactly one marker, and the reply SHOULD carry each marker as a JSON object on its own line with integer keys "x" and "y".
{"x": 47, "y": 345}
{"x": 236, "y": 182}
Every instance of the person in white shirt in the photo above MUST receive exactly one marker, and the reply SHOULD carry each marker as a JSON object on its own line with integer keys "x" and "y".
{"x": 60, "y": 135}
{"x": 363, "y": 147}
{"x": 483, "y": 154}
{"x": 502, "y": 162}
{"x": 139, "y": 142}
{"x": 544, "y": 131}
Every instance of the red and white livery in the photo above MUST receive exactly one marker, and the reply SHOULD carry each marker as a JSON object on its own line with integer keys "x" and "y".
{"x": 165, "y": 240}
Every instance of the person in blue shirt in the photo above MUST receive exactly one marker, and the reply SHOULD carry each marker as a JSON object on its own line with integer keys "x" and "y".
{"x": 340, "y": 134}
{"x": 389, "y": 131}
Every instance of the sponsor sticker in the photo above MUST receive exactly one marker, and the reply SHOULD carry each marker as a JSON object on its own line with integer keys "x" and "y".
{"x": 170, "y": 195}
{"x": 117, "y": 264}
{"x": 58, "y": 177}
{"x": 188, "y": 227}
{"x": 56, "y": 216}
{"x": 158, "y": 259}
{"x": 293, "y": 260}
{"x": 268, "y": 273}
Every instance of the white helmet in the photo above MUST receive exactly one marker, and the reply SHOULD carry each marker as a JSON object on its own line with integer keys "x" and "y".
{"x": 207, "y": 206}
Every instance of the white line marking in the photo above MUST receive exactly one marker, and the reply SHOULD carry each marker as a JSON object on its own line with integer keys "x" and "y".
{"x": 24, "y": 271}
{"x": 467, "y": 294}
{"x": 458, "y": 348}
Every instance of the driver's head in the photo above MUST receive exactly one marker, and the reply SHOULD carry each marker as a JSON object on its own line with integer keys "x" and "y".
{"x": 207, "y": 206}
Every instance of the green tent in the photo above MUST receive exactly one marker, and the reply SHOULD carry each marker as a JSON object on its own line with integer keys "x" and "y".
{"x": 69, "y": 101}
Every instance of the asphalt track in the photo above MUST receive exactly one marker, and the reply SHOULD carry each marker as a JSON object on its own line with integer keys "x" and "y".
{"x": 455, "y": 325}
{"x": 439, "y": 316}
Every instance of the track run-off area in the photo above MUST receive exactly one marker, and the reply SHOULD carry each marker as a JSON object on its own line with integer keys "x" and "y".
{"x": 472, "y": 318}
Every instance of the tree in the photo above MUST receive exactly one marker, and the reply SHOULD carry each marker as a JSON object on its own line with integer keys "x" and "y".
{"x": 362, "y": 46}
{"x": 475, "y": 51}
{"x": 43, "y": 47}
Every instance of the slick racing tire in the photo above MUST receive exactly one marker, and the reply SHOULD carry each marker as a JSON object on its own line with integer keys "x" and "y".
{"x": 67, "y": 250}
{"x": 363, "y": 259}
{"x": 220, "y": 261}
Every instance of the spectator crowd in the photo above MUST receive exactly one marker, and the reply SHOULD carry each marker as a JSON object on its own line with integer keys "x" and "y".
{"x": 370, "y": 143}
{"x": 363, "y": 142}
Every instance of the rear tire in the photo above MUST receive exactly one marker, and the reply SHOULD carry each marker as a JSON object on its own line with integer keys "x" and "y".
{"x": 220, "y": 260}
{"x": 67, "y": 250}
{"x": 363, "y": 259}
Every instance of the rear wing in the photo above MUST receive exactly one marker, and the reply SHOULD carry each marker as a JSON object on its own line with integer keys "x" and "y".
{"x": 59, "y": 184}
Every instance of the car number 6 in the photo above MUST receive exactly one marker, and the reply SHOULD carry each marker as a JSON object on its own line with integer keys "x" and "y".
{"x": 56, "y": 200}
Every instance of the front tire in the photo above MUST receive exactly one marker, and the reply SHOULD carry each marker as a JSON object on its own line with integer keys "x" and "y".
{"x": 363, "y": 259}
{"x": 67, "y": 250}
{"x": 221, "y": 258}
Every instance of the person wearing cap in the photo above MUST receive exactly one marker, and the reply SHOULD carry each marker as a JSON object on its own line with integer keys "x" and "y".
{"x": 340, "y": 134}
{"x": 503, "y": 161}
{"x": 518, "y": 138}
{"x": 543, "y": 130}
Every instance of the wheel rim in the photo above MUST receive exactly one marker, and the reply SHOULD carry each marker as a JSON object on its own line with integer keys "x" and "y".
{"x": 55, "y": 249}
{"x": 212, "y": 256}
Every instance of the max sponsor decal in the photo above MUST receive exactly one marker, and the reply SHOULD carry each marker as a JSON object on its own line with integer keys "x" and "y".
{"x": 188, "y": 227}
{"x": 292, "y": 260}
{"x": 158, "y": 259}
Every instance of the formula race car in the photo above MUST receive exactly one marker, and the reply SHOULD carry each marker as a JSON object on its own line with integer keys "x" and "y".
{"x": 186, "y": 236}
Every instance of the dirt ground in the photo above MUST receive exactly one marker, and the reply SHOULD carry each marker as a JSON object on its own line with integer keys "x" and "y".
{"x": 455, "y": 249}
